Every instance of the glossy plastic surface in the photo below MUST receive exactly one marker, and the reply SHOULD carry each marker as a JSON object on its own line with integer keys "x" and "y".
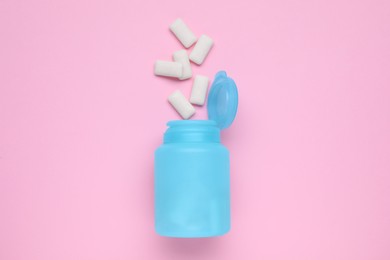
{"x": 192, "y": 184}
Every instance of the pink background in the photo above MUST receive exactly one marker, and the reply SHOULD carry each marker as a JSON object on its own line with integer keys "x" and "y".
{"x": 81, "y": 114}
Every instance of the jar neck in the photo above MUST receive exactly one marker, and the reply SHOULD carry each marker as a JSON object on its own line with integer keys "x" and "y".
{"x": 192, "y": 131}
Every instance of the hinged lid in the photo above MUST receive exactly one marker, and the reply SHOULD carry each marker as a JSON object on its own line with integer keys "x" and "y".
{"x": 222, "y": 100}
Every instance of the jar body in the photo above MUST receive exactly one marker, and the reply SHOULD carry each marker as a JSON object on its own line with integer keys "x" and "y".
{"x": 192, "y": 189}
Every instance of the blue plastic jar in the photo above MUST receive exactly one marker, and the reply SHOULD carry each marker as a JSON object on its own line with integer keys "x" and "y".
{"x": 192, "y": 170}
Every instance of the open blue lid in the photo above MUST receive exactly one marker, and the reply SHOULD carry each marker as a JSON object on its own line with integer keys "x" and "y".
{"x": 223, "y": 100}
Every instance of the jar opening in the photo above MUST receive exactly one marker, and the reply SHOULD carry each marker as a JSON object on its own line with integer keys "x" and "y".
{"x": 192, "y": 131}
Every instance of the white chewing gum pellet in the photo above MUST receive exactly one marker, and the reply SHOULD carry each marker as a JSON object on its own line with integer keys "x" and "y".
{"x": 201, "y": 49}
{"x": 168, "y": 69}
{"x": 199, "y": 90}
{"x": 181, "y": 104}
{"x": 183, "y": 33}
{"x": 182, "y": 57}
